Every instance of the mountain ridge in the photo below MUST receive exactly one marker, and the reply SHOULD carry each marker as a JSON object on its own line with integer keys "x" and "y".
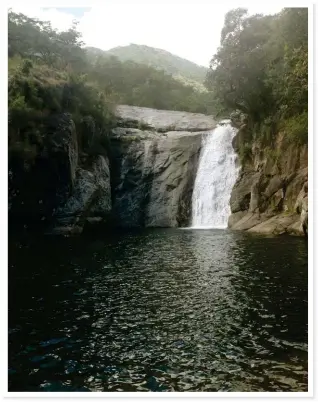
{"x": 158, "y": 58}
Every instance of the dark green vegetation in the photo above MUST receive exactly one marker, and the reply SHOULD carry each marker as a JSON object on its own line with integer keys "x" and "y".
{"x": 127, "y": 82}
{"x": 261, "y": 70}
{"x": 47, "y": 77}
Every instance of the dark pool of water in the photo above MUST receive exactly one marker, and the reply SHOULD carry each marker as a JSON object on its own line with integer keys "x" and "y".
{"x": 158, "y": 310}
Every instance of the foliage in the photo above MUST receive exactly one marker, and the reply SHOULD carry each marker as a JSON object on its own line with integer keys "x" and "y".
{"x": 50, "y": 72}
{"x": 261, "y": 69}
{"x": 40, "y": 86}
{"x": 37, "y": 40}
{"x": 296, "y": 128}
{"x": 140, "y": 85}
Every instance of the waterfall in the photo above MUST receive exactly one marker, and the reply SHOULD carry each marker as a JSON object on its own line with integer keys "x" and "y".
{"x": 216, "y": 176}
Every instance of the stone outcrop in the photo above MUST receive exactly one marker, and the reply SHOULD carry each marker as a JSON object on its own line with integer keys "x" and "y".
{"x": 270, "y": 195}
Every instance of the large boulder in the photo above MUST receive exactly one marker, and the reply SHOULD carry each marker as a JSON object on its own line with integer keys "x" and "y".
{"x": 249, "y": 220}
{"x": 235, "y": 217}
{"x": 301, "y": 207}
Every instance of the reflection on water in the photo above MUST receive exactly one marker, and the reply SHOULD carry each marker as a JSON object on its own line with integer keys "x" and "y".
{"x": 158, "y": 310}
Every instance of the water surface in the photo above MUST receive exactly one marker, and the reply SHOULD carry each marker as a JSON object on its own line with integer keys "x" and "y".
{"x": 158, "y": 310}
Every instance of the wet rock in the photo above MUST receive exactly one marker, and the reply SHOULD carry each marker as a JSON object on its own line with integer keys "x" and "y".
{"x": 275, "y": 184}
{"x": 61, "y": 144}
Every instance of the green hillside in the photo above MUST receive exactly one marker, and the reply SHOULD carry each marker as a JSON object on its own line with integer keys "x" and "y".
{"x": 159, "y": 59}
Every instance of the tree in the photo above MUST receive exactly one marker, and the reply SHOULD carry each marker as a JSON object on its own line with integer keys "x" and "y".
{"x": 261, "y": 66}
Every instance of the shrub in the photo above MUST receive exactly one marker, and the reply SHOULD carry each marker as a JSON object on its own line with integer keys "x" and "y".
{"x": 26, "y": 66}
{"x": 36, "y": 91}
{"x": 296, "y": 129}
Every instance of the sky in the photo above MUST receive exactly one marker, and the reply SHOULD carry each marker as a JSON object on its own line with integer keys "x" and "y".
{"x": 188, "y": 29}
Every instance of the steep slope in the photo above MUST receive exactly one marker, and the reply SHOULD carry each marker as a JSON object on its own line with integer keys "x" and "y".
{"x": 158, "y": 58}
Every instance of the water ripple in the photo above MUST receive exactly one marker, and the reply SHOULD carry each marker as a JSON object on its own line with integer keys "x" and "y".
{"x": 158, "y": 310}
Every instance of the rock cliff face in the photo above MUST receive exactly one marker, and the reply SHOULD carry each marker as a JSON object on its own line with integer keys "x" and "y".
{"x": 271, "y": 193}
{"x": 145, "y": 180}
{"x": 155, "y": 158}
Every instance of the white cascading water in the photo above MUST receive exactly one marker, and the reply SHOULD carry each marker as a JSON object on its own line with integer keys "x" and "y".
{"x": 216, "y": 176}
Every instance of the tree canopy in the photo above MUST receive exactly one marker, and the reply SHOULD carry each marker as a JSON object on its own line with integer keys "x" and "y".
{"x": 261, "y": 68}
